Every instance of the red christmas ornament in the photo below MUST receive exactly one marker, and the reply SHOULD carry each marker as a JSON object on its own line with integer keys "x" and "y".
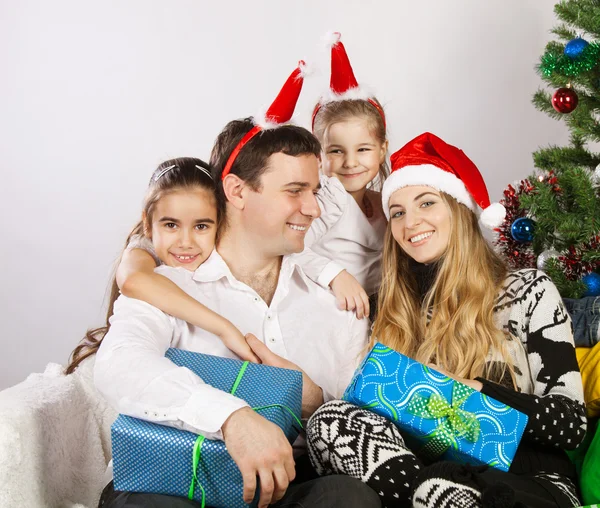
{"x": 564, "y": 100}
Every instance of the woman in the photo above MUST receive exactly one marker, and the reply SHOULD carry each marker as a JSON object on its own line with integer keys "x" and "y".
{"x": 447, "y": 300}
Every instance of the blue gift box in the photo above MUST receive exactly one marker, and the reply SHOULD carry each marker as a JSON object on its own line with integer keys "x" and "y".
{"x": 149, "y": 457}
{"x": 439, "y": 417}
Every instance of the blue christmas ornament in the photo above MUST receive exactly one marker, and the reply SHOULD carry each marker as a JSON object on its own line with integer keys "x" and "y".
{"x": 522, "y": 230}
{"x": 575, "y": 47}
{"x": 592, "y": 283}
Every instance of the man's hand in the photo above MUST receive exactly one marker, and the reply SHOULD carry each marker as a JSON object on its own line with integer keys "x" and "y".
{"x": 312, "y": 395}
{"x": 259, "y": 448}
{"x": 234, "y": 340}
{"x": 349, "y": 294}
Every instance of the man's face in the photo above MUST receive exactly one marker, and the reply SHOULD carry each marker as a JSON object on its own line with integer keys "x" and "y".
{"x": 280, "y": 213}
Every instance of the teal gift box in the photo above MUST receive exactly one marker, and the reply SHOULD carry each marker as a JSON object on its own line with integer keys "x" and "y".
{"x": 439, "y": 417}
{"x": 153, "y": 458}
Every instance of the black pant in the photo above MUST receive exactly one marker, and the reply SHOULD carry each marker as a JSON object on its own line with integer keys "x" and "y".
{"x": 306, "y": 491}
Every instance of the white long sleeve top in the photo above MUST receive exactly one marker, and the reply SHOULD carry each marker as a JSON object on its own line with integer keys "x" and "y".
{"x": 302, "y": 324}
{"x": 344, "y": 238}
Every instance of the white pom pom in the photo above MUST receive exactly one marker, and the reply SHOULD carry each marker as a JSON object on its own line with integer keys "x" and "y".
{"x": 330, "y": 39}
{"x": 493, "y": 216}
{"x": 305, "y": 69}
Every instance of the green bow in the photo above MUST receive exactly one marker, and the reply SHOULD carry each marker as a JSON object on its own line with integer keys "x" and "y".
{"x": 456, "y": 423}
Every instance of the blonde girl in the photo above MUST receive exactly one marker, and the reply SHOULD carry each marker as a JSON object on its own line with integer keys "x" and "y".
{"x": 345, "y": 243}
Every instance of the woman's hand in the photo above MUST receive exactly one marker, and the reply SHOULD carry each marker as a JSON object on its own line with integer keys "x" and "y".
{"x": 476, "y": 385}
{"x": 349, "y": 294}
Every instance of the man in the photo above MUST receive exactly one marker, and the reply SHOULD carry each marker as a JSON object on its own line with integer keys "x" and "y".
{"x": 265, "y": 192}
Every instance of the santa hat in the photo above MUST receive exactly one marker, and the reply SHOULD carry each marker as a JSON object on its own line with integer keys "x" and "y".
{"x": 342, "y": 84}
{"x": 279, "y": 112}
{"x": 428, "y": 160}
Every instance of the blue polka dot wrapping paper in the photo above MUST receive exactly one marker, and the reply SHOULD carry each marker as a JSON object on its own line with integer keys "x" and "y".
{"x": 439, "y": 418}
{"x": 153, "y": 458}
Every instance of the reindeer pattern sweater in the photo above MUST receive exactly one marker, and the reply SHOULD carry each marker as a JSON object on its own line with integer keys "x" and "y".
{"x": 550, "y": 392}
{"x": 538, "y": 329}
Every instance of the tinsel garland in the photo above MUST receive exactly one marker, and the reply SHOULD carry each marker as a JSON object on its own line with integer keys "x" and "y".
{"x": 573, "y": 263}
{"x": 518, "y": 255}
{"x": 571, "y": 67}
{"x": 574, "y": 266}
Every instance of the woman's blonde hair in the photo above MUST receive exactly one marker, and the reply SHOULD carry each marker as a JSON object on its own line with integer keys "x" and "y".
{"x": 453, "y": 325}
{"x": 343, "y": 111}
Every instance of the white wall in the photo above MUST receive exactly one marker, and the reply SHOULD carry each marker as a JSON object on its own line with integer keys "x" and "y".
{"x": 93, "y": 94}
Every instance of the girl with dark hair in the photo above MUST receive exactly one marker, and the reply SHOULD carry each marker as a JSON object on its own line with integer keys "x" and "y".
{"x": 178, "y": 228}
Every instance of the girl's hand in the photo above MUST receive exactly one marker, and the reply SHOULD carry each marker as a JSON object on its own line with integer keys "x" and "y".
{"x": 312, "y": 394}
{"x": 476, "y": 385}
{"x": 234, "y": 340}
{"x": 349, "y": 294}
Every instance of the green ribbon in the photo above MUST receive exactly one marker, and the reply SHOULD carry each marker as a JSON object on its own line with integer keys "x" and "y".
{"x": 197, "y": 451}
{"x": 456, "y": 423}
{"x": 196, "y": 455}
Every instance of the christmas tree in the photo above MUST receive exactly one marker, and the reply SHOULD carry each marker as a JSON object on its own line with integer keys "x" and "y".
{"x": 553, "y": 216}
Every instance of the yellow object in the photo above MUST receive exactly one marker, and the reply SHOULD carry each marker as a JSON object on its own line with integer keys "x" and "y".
{"x": 589, "y": 365}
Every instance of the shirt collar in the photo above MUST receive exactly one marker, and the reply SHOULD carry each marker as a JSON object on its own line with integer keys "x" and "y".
{"x": 215, "y": 268}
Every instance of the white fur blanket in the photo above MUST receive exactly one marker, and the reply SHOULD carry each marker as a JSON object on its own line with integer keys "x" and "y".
{"x": 54, "y": 440}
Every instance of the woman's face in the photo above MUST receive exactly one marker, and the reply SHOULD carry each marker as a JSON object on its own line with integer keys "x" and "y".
{"x": 420, "y": 222}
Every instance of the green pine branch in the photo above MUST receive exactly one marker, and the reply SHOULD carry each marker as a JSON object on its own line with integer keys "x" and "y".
{"x": 566, "y": 212}
{"x": 565, "y": 204}
{"x": 583, "y": 14}
{"x": 582, "y": 123}
{"x": 542, "y": 101}
{"x": 564, "y": 32}
{"x": 561, "y": 158}
{"x": 567, "y": 288}
{"x": 591, "y": 256}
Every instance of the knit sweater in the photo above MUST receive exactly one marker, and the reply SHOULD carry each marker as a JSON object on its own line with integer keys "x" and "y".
{"x": 530, "y": 311}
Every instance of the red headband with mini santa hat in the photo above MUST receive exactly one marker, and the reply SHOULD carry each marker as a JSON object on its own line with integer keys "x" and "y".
{"x": 428, "y": 160}
{"x": 342, "y": 84}
{"x": 279, "y": 113}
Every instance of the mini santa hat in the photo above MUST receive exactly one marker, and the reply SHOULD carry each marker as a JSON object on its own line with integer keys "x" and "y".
{"x": 279, "y": 113}
{"x": 428, "y": 160}
{"x": 342, "y": 84}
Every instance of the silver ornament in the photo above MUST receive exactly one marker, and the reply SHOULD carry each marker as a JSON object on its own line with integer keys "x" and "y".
{"x": 545, "y": 256}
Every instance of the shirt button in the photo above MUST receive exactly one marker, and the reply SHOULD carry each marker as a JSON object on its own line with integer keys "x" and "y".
{"x": 269, "y": 316}
{"x": 272, "y": 339}
{"x": 255, "y": 298}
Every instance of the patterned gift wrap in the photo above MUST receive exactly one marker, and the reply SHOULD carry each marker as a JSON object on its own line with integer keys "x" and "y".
{"x": 439, "y": 417}
{"x": 149, "y": 457}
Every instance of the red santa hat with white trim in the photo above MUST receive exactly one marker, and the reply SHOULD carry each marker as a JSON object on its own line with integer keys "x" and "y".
{"x": 342, "y": 83}
{"x": 429, "y": 160}
{"x": 279, "y": 113}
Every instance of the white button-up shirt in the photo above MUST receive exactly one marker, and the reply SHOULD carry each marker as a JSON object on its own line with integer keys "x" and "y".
{"x": 343, "y": 237}
{"x": 302, "y": 324}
